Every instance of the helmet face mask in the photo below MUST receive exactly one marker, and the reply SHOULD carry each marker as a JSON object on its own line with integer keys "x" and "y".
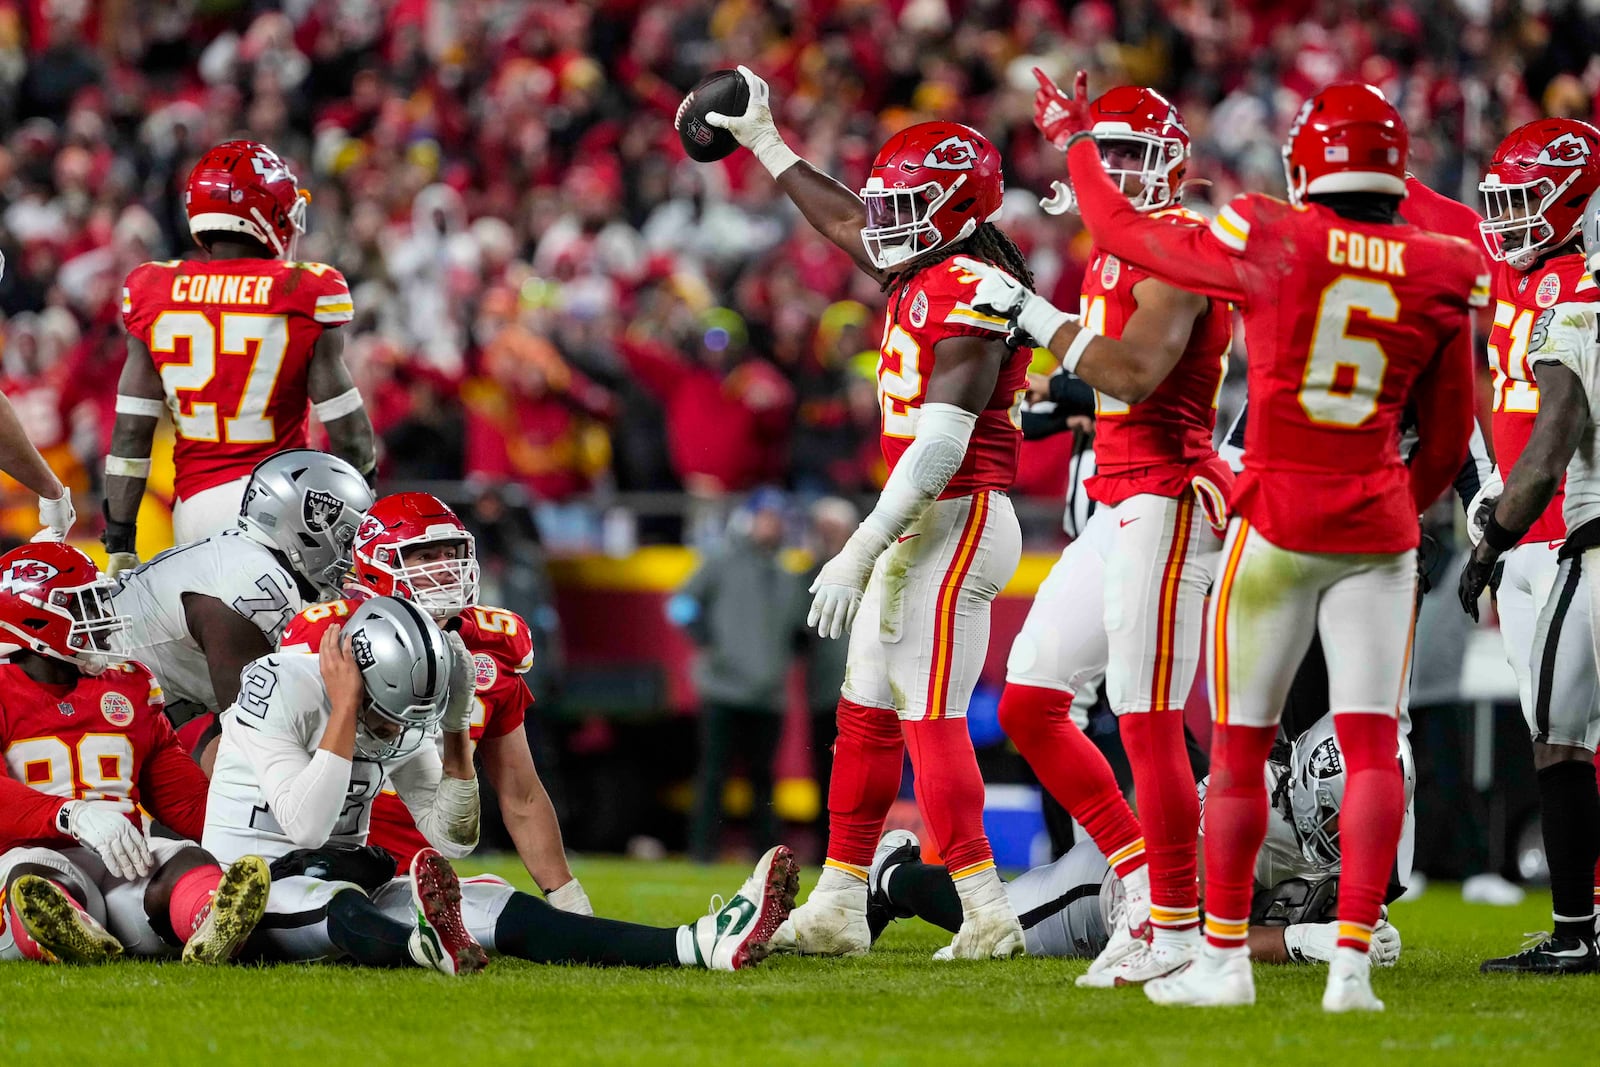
{"x": 54, "y": 602}
{"x": 380, "y": 736}
{"x": 900, "y": 221}
{"x": 1315, "y": 789}
{"x": 931, "y": 185}
{"x": 412, "y": 545}
{"x": 1144, "y": 147}
{"x": 1535, "y": 188}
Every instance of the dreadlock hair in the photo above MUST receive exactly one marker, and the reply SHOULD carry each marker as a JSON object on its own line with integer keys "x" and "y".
{"x": 986, "y": 243}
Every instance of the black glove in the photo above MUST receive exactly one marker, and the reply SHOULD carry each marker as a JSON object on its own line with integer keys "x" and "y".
{"x": 1474, "y": 579}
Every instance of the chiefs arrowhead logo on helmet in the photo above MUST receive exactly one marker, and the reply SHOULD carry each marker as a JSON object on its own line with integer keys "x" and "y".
{"x": 26, "y": 574}
{"x": 1565, "y": 151}
{"x": 952, "y": 153}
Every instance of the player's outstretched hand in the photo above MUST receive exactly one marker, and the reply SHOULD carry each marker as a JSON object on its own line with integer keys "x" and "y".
{"x": 755, "y": 126}
{"x": 56, "y": 516}
{"x": 458, "y": 704}
{"x": 1058, "y": 115}
{"x": 341, "y": 675}
{"x": 1474, "y": 579}
{"x": 103, "y": 827}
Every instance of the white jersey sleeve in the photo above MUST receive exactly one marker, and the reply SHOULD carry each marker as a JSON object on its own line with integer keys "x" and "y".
{"x": 230, "y": 567}
{"x": 272, "y": 789}
{"x": 1569, "y": 334}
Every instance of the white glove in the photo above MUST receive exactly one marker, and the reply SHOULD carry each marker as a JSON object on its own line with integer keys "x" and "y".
{"x": 998, "y": 293}
{"x": 56, "y": 516}
{"x": 1482, "y": 505}
{"x": 839, "y": 586}
{"x": 103, "y": 827}
{"x": 1385, "y": 944}
{"x": 463, "y": 680}
{"x": 1311, "y": 941}
{"x": 570, "y": 898}
{"x": 755, "y": 129}
{"x": 117, "y": 562}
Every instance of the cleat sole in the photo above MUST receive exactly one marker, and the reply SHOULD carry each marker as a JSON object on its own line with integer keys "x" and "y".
{"x": 239, "y": 904}
{"x": 62, "y": 932}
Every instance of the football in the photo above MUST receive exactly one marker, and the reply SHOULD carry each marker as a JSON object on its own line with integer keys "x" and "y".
{"x": 722, "y": 91}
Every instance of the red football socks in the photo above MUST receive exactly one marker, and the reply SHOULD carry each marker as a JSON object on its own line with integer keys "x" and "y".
{"x": 867, "y": 760}
{"x": 1075, "y": 772}
{"x": 1169, "y": 811}
{"x": 950, "y": 792}
{"x": 191, "y": 898}
{"x": 1370, "y": 820}
{"x": 1236, "y": 824}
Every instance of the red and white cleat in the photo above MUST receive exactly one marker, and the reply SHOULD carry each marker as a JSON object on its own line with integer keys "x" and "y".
{"x": 441, "y": 940}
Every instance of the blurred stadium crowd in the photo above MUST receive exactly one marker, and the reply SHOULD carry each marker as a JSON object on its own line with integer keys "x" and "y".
{"x": 548, "y": 293}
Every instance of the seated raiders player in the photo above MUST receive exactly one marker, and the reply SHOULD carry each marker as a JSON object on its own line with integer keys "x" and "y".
{"x": 1067, "y": 907}
{"x": 305, "y": 752}
{"x": 200, "y": 612}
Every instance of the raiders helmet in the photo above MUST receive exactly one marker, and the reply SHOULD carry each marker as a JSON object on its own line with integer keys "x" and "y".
{"x": 1316, "y": 785}
{"x": 307, "y": 505}
{"x": 405, "y": 662}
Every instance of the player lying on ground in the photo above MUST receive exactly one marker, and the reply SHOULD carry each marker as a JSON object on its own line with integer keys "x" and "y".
{"x": 239, "y": 346}
{"x": 1564, "y": 355}
{"x": 922, "y": 569}
{"x": 307, "y": 750}
{"x": 199, "y": 612}
{"x": 414, "y": 546}
{"x": 1325, "y": 526}
{"x": 1071, "y": 907}
{"x": 1126, "y": 599}
{"x": 86, "y": 748}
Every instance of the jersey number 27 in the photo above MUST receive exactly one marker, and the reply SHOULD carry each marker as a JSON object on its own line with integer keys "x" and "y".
{"x": 249, "y": 424}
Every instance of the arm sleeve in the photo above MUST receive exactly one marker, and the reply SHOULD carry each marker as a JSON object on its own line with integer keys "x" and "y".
{"x": 1204, "y": 261}
{"x": 1071, "y": 394}
{"x": 1443, "y": 398}
{"x": 925, "y": 468}
{"x": 305, "y": 792}
{"x": 171, "y": 785}
{"x": 445, "y": 809}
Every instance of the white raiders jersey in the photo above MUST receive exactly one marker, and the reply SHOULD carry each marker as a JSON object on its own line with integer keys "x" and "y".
{"x": 231, "y": 567}
{"x": 271, "y": 734}
{"x": 1569, "y": 334}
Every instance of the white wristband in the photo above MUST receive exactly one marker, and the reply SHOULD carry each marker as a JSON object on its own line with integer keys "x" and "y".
{"x": 1040, "y": 319}
{"x": 337, "y": 407}
{"x": 143, "y": 406}
{"x": 123, "y": 467}
{"x": 776, "y": 156}
{"x": 1074, "y": 352}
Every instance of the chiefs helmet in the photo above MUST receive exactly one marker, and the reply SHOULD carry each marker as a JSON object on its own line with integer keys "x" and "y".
{"x": 1140, "y": 135}
{"x": 245, "y": 187}
{"x": 1346, "y": 139}
{"x": 1534, "y": 192}
{"x": 397, "y": 526}
{"x": 931, "y": 185}
{"x": 55, "y": 602}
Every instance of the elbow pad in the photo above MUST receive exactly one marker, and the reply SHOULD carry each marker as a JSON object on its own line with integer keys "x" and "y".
{"x": 926, "y": 467}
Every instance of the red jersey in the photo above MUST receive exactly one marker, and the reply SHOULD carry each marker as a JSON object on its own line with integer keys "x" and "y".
{"x": 1153, "y": 446}
{"x": 1347, "y": 322}
{"x": 98, "y": 738}
{"x": 934, "y": 305}
{"x": 232, "y": 340}
{"x": 502, "y": 652}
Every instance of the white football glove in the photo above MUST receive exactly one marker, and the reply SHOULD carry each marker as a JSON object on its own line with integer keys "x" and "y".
{"x": 463, "y": 681}
{"x": 1385, "y": 948}
{"x": 998, "y": 293}
{"x": 57, "y": 517}
{"x": 1482, "y": 506}
{"x": 1311, "y": 941}
{"x": 837, "y": 592}
{"x": 103, "y": 827}
{"x": 755, "y": 129}
{"x": 117, "y": 562}
{"x": 570, "y": 898}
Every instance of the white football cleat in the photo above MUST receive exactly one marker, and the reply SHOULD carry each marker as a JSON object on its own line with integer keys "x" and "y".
{"x": 1130, "y": 935}
{"x": 738, "y": 934}
{"x": 1208, "y": 982}
{"x": 832, "y": 922}
{"x": 1350, "y": 983}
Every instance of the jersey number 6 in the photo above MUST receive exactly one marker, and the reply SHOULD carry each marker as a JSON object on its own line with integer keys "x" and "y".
{"x": 1344, "y": 373}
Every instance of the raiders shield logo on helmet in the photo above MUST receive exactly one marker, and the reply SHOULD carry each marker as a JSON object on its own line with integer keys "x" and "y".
{"x": 361, "y": 649}
{"x": 1325, "y": 761}
{"x": 320, "y": 509}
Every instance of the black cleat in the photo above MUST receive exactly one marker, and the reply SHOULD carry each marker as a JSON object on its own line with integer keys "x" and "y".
{"x": 1549, "y": 955}
{"x": 896, "y": 847}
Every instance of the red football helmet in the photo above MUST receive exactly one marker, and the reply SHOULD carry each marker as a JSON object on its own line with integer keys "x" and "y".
{"x": 931, "y": 185}
{"x": 1346, "y": 139}
{"x": 399, "y": 525}
{"x": 245, "y": 187}
{"x": 1537, "y": 184}
{"x": 55, "y": 602}
{"x": 1140, "y": 135}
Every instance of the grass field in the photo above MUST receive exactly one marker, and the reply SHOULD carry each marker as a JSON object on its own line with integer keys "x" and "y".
{"x": 894, "y": 1007}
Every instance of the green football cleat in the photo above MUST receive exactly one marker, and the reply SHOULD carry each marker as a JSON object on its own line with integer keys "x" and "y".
{"x": 237, "y": 906}
{"x": 64, "y": 932}
{"x": 738, "y": 934}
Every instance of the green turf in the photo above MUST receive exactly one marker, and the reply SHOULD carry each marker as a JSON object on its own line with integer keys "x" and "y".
{"x": 896, "y": 1006}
